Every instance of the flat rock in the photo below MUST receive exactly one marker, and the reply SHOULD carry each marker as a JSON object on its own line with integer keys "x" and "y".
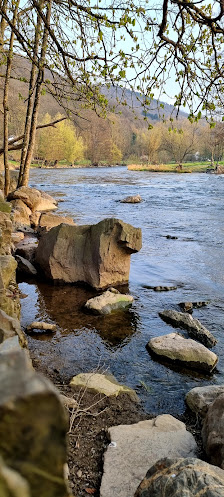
{"x": 137, "y": 447}
{"x": 193, "y": 326}
{"x": 103, "y": 384}
{"x": 213, "y": 432}
{"x": 98, "y": 255}
{"x": 27, "y": 248}
{"x": 200, "y": 398}
{"x": 108, "y": 302}
{"x": 25, "y": 266}
{"x": 182, "y": 478}
{"x": 133, "y": 199}
{"x": 190, "y": 353}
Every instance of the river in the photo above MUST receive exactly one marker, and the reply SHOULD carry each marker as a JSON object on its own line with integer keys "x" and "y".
{"x": 187, "y": 206}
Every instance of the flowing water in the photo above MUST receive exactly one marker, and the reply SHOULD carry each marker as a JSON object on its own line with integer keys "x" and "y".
{"x": 187, "y": 206}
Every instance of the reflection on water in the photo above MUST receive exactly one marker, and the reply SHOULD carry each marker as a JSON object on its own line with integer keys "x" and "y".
{"x": 189, "y": 207}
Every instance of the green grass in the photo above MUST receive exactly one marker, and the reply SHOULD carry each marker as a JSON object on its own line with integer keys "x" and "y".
{"x": 188, "y": 167}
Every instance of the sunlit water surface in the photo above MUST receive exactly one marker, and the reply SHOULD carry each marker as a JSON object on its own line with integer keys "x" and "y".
{"x": 188, "y": 206}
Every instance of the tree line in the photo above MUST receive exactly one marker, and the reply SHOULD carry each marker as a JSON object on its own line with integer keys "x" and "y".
{"x": 75, "y": 46}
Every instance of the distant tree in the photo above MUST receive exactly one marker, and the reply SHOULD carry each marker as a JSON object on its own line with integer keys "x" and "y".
{"x": 180, "y": 140}
{"x": 59, "y": 142}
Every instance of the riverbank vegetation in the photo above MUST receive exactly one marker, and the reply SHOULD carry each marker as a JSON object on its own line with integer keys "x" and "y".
{"x": 125, "y": 46}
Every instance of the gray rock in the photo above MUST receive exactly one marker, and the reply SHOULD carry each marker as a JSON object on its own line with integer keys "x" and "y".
{"x": 190, "y": 353}
{"x": 25, "y": 267}
{"x": 134, "y": 199}
{"x": 108, "y": 302}
{"x": 213, "y": 432}
{"x": 200, "y": 398}
{"x": 33, "y": 426}
{"x": 189, "y": 306}
{"x": 182, "y": 478}
{"x": 137, "y": 447}
{"x": 98, "y": 254}
{"x": 193, "y": 326}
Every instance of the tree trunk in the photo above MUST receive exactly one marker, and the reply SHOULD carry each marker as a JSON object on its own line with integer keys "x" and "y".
{"x": 36, "y": 104}
{"x": 30, "y": 101}
{"x": 5, "y": 103}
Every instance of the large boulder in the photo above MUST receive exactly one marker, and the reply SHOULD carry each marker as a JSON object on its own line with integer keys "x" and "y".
{"x": 98, "y": 255}
{"x": 189, "y": 353}
{"x": 109, "y": 301}
{"x": 33, "y": 426}
{"x": 213, "y": 432}
{"x": 182, "y": 478}
{"x": 34, "y": 199}
{"x": 193, "y": 326}
{"x": 199, "y": 399}
{"x": 135, "y": 448}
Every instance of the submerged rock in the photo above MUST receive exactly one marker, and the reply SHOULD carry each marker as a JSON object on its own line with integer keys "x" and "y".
{"x": 108, "y": 302}
{"x": 190, "y": 353}
{"x": 134, "y": 448}
{"x": 182, "y": 477}
{"x": 199, "y": 399}
{"x": 193, "y": 326}
{"x": 102, "y": 383}
{"x": 97, "y": 254}
{"x": 213, "y": 432}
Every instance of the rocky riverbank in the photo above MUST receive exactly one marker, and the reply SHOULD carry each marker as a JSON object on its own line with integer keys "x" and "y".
{"x": 104, "y": 459}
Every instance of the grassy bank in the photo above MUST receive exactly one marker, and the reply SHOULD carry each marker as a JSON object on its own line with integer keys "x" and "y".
{"x": 188, "y": 167}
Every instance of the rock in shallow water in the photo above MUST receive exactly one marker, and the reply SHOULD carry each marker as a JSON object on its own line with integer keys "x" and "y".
{"x": 190, "y": 353}
{"x": 193, "y": 326}
{"x": 97, "y": 254}
{"x": 108, "y": 302}
{"x": 183, "y": 478}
